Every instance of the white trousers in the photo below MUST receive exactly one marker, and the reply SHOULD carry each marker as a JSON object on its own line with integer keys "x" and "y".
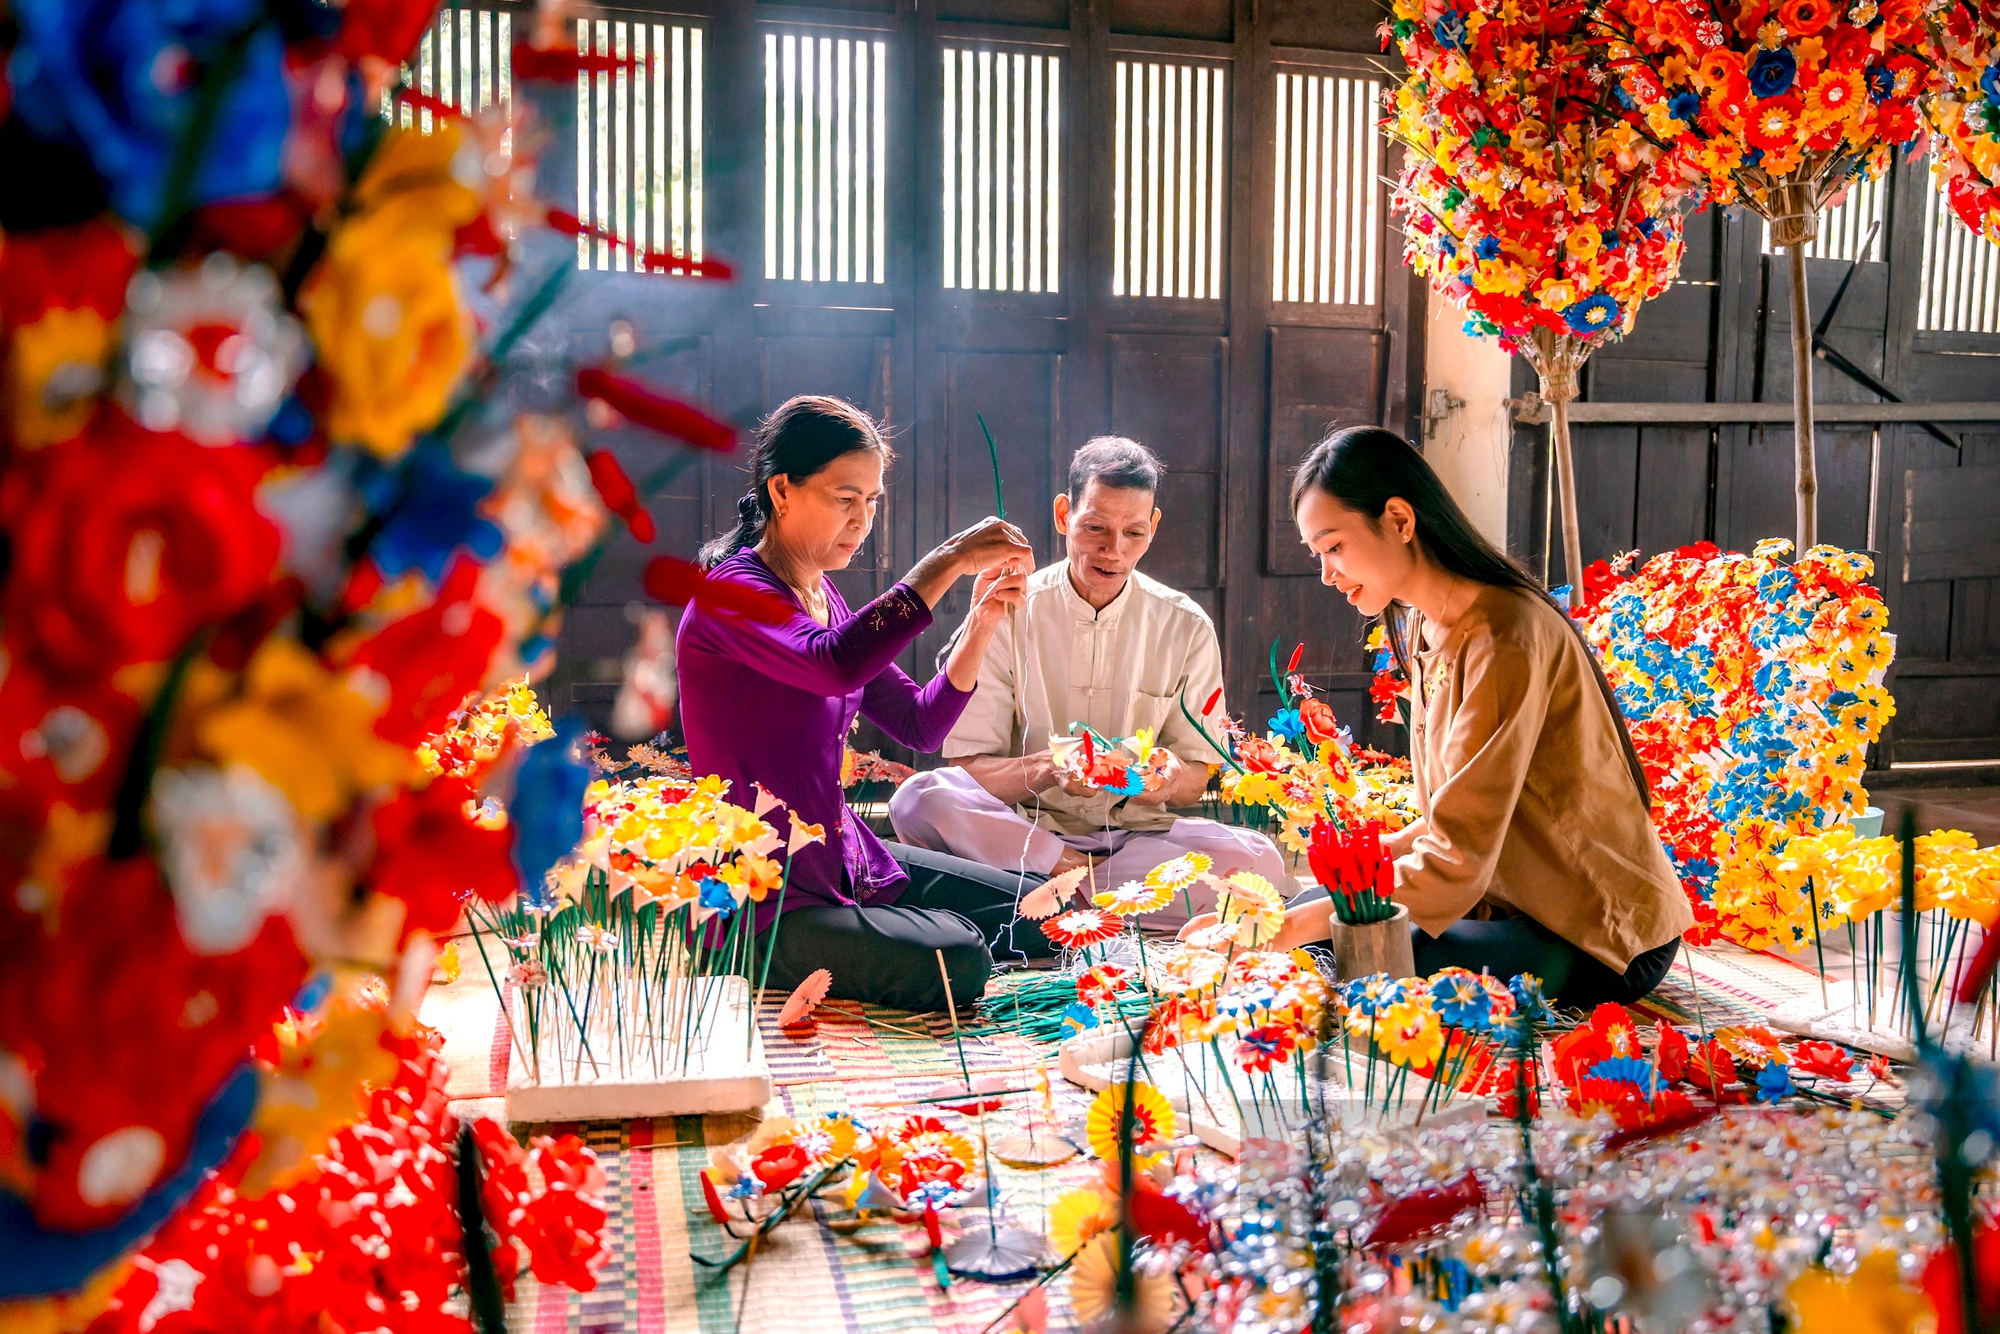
{"x": 946, "y": 810}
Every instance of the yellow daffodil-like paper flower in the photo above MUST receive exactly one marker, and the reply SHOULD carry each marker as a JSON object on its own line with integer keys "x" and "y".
{"x": 304, "y": 730}
{"x": 1409, "y": 1033}
{"x": 1153, "y": 1122}
{"x": 382, "y": 305}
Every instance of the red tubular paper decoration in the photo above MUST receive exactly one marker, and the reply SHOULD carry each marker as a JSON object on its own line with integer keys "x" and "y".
{"x": 651, "y": 261}
{"x": 655, "y": 411}
{"x": 1214, "y": 696}
{"x": 619, "y": 495}
{"x": 680, "y": 582}
{"x": 553, "y": 64}
{"x": 1293, "y": 665}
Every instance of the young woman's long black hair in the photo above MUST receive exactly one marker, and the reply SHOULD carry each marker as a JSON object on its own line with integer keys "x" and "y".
{"x": 805, "y": 434}
{"x": 1362, "y": 467}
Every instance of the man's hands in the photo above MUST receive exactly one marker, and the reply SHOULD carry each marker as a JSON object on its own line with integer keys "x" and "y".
{"x": 1167, "y": 774}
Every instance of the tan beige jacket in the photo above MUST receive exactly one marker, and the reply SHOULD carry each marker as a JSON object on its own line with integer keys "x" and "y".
{"x": 1528, "y": 806}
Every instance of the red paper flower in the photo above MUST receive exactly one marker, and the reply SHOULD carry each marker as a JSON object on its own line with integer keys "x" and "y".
{"x": 428, "y": 661}
{"x": 1081, "y": 928}
{"x": 385, "y": 29}
{"x": 125, "y": 541}
{"x": 429, "y": 855}
{"x": 1822, "y": 1060}
{"x": 780, "y": 1165}
{"x": 1320, "y": 724}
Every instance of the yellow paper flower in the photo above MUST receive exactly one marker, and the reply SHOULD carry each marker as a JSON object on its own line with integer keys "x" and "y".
{"x": 304, "y": 730}
{"x": 1254, "y": 904}
{"x": 66, "y": 342}
{"x": 382, "y": 305}
{"x": 1180, "y": 872}
{"x": 1153, "y": 1121}
{"x": 1872, "y": 1300}
{"x": 1093, "y": 1291}
{"x": 1409, "y": 1033}
{"x": 1079, "y": 1215}
{"x": 1133, "y": 898}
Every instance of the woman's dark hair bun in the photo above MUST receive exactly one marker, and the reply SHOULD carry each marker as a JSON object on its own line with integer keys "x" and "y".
{"x": 747, "y": 508}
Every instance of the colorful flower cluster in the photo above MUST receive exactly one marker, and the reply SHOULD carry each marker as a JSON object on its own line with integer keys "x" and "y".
{"x": 1752, "y": 687}
{"x": 675, "y": 844}
{"x": 1528, "y": 195}
{"x": 270, "y": 525}
{"x": 1964, "y": 111}
{"x": 370, "y": 1238}
{"x": 1779, "y": 104}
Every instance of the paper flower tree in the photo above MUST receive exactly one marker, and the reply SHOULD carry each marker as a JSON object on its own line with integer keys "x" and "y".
{"x": 1779, "y": 106}
{"x": 1964, "y": 112}
{"x": 1527, "y": 196}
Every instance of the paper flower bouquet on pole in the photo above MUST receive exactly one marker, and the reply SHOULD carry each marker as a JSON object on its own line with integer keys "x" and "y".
{"x": 1780, "y": 107}
{"x": 1528, "y": 196}
{"x": 630, "y": 983}
{"x": 1964, "y": 111}
{"x": 273, "y": 511}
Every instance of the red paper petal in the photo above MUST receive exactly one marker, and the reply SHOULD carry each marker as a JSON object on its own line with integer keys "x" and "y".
{"x": 678, "y": 582}
{"x": 655, "y": 411}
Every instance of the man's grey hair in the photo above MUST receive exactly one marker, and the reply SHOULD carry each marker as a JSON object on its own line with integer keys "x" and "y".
{"x": 1114, "y": 460}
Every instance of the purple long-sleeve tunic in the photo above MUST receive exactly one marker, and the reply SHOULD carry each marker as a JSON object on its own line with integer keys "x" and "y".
{"x": 772, "y": 704}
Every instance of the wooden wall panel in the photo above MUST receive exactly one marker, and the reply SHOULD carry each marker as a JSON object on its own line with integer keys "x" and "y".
{"x": 1168, "y": 391}
{"x": 1321, "y": 380}
{"x": 1019, "y": 394}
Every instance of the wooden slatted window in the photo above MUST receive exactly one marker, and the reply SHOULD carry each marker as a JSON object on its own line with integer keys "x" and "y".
{"x": 1169, "y": 179}
{"x": 826, "y": 142}
{"x": 1002, "y": 170}
{"x": 1324, "y": 246}
{"x": 1959, "y": 290}
{"x": 1845, "y": 230}
{"x": 462, "y": 59}
{"x": 639, "y": 143}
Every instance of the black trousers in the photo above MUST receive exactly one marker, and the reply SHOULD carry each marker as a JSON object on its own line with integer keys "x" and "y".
{"x": 1509, "y": 945}
{"x": 887, "y": 954}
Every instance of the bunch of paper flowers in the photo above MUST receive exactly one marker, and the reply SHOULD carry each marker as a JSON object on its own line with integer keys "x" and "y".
{"x": 1752, "y": 687}
{"x": 270, "y": 525}
{"x": 1529, "y": 195}
{"x": 1964, "y": 111}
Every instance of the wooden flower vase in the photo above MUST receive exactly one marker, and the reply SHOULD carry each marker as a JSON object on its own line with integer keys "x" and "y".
{"x": 1373, "y": 947}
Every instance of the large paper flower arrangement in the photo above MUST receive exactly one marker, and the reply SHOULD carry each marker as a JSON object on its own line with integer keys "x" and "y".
{"x": 1752, "y": 687}
{"x": 1529, "y": 195}
{"x": 1964, "y": 112}
{"x": 269, "y": 529}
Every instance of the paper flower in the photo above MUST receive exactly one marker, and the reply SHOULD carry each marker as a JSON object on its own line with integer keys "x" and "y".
{"x": 1409, "y": 1034}
{"x": 1134, "y": 898}
{"x": 1253, "y": 904}
{"x": 1178, "y": 873}
{"x": 1081, "y": 928}
{"x": 1077, "y": 1216}
{"x": 1962, "y": 114}
{"x": 231, "y": 851}
{"x": 1153, "y": 1122}
{"x": 1094, "y": 1297}
{"x": 382, "y": 306}
{"x": 1101, "y": 982}
{"x": 209, "y": 352}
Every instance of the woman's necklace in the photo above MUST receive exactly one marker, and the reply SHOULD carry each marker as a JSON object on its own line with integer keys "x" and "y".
{"x": 812, "y": 599}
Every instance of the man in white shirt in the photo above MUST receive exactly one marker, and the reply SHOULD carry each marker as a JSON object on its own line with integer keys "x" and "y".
{"x": 1102, "y": 646}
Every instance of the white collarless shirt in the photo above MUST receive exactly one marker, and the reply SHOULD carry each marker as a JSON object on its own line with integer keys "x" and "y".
{"x": 1059, "y": 661}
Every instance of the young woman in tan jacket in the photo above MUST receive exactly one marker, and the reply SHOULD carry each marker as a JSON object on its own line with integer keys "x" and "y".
{"x": 1534, "y": 850}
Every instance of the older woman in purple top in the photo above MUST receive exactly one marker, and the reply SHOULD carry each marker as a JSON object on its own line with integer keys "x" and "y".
{"x": 772, "y": 704}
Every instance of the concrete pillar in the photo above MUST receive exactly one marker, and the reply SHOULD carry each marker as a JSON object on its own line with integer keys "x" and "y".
{"x": 1466, "y": 431}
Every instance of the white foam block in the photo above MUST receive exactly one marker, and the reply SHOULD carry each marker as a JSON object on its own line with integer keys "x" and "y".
{"x": 715, "y": 1073}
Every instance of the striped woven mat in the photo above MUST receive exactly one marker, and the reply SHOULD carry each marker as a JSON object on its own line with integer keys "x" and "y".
{"x": 865, "y": 1060}
{"x": 878, "y": 1280}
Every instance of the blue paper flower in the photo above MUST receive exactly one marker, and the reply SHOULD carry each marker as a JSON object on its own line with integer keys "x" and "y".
{"x": 1881, "y": 83}
{"x": 1989, "y": 81}
{"x": 1628, "y": 1070}
{"x": 1774, "y": 1081}
{"x": 120, "y": 80}
{"x": 547, "y": 810}
{"x": 1372, "y": 994}
{"x": 1593, "y": 313}
{"x": 1450, "y": 30}
{"x": 430, "y": 512}
{"x": 1077, "y": 1017}
{"x": 715, "y": 895}
{"x": 1462, "y": 1002}
{"x": 1488, "y": 247}
{"x": 1773, "y": 72}
{"x": 1683, "y": 106}
{"x": 1286, "y": 723}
